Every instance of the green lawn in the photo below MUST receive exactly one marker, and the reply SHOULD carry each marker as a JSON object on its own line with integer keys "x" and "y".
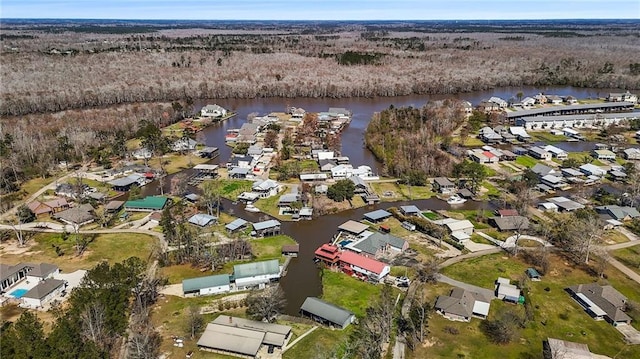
{"x": 401, "y": 191}
{"x": 555, "y": 314}
{"x": 431, "y": 215}
{"x": 480, "y": 239}
{"x": 270, "y": 205}
{"x": 629, "y": 257}
{"x": 492, "y": 191}
{"x": 348, "y": 292}
{"x": 232, "y": 188}
{"x": 309, "y": 166}
{"x": 270, "y": 247}
{"x": 110, "y": 247}
{"x": 319, "y": 343}
{"x": 472, "y": 142}
{"x": 526, "y": 161}
{"x": 547, "y": 137}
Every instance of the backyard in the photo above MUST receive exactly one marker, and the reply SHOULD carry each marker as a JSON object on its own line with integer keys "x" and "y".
{"x": 630, "y": 257}
{"x": 555, "y": 314}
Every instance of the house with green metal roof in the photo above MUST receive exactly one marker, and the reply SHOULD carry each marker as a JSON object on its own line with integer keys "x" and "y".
{"x": 208, "y": 285}
{"x": 147, "y": 204}
{"x": 256, "y": 274}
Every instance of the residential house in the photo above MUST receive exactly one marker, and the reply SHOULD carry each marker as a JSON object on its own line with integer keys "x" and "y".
{"x": 242, "y": 337}
{"x": 240, "y": 173}
{"x": 491, "y": 158}
{"x": 443, "y": 185}
{"x": 540, "y": 99}
{"x": 255, "y": 151}
{"x": 240, "y": 161}
{"x": 297, "y": 113}
{"x": 520, "y": 133}
{"x": 622, "y": 97}
{"x": 564, "y": 204}
{"x": 124, "y": 184}
{"x": 554, "y": 99}
{"x": 604, "y": 155}
{"x": 632, "y": 154}
{"x": 76, "y": 216}
{"x": 265, "y": 188}
{"x": 570, "y": 100}
{"x": 410, "y": 210}
{"x": 507, "y": 212}
{"x": 213, "y": 111}
{"x": 461, "y": 305}
{"x": 269, "y": 227}
{"x": 41, "y": 271}
{"x": 571, "y": 172}
{"x": 327, "y": 164}
{"x": 328, "y": 254}
{"x": 571, "y": 133}
{"x": 363, "y": 267}
{"x": 379, "y": 244}
{"x": 202, "y": 220}
{"x": 377, "y": 216}
{"x": 543, "y": 170}
{"x": 553, "y": 181}
{"x": 508, "y": 156}
{"x": 345, "y": 171}
{"x": 113, "y": 206}
{"x": 488, "y": 107}
{"x": 592, "y": 170}
{"x": 488, "y": 135}
{"x": 618, "y": 213}
{"x": 11, "y": 275}
{"x": 500, "y": 102}
{"x": 45, "y": 291}
{"x": 510, "y": 223}
{"x": 547, "y": 207}
{"x": 323, "y": 155}
{"x": 184, "y": 144}
{"x": 506, "y": 291}
{"x": 49, "y": 207}
{"x": 209, "y": 152}
{"x": 478, "y": 156}
{"x": 256, "y": 274}
{"x": 460, "y": 230}
{"x": 561, "y": 349}
{"x": 321, "y": 188}
{"x": 326, "y": 313}
{"x": 540, "y": 153}
{"x": 527, "y": 102}
{"x": 236, "y": 225}
{"x": 286, "y": 200}
{"x": 209, "y": 285}
{"x": 468, "y": 108}
{"x": 142, "y": 154}
{"x": 66, "y": 190}
{"x": 314, "y": 177}
{"x": 601, "y": 302}
{"x": 147, "y": 204}
{"x": 556, "y": 152}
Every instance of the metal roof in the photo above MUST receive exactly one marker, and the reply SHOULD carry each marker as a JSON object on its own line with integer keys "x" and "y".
{"x": 256, "y": 268}
{"x": 149, "y": 202}
{"x": 266, "y": 224}
{"x": 377, "y": 215}
{"x": 594, "y": 116}
{"x": 540, "y": 111}
{"x": 326, "y": 311}
{"x": 231, "y": 339}
{"x": 410, "y": 209}
{"x": 193, "y": 284}
{"x": 202, "y": 219}
{"x": 236, "y": 224}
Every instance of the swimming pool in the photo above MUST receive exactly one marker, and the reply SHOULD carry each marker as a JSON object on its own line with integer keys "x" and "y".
{"x": 18, "y": 293}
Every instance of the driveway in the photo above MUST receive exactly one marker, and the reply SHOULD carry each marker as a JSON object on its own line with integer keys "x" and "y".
{"x": 631, "y": 334}
{"x": 476, "y": 247}
{"x": 489, "y": 294}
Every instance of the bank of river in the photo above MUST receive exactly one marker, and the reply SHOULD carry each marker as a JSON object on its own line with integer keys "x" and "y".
{"x": 303, "y": 279}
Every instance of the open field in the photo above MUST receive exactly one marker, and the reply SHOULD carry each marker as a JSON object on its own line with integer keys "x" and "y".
{"x": 547, "y": 137}
{"x": 630, "y": 257}
{"x": 526, "y": 161}
{"x": 400, "y": 192}
{"x": 555, "y": 314}
{"x": 347, "y": 292}
{"x": 110, "y": 247}
{"x": 321, "y": 342}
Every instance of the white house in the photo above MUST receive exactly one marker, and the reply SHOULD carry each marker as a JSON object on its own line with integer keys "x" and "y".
{"x": 500, "y": 102}
{"x": 142, "y": 154}
{"x": 622, "y": 97}
{"x": 213, "y": 111}
{"x": 632, "y": 154}
{"x": 325, "y": 155}
{"x": 556, "y": 152}
{"x": 208, "y": 285}
{"x": 184, "y": 144}
{"x": 42, "y": 271}
{"x": 256, "y": 274}
{"x": 554, "y": 99}
{"x": 540, "y": 153}
{"x": 43, "y": 293}
{"x": 345, "y": 171}
{"x": 265, "y": 188}
{"x": 604, "y": 155}
{"x": 592, "y": 170}
{"x": 460, "y": 229}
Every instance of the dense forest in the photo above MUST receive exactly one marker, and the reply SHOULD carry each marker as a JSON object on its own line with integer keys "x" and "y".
{"x": 69, "y": 66}
{"x": 409, "y": 140}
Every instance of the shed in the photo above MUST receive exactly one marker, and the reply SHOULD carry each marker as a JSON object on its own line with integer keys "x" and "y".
{"x": 533, "y": 274}
{"x": 411, "y": 210}
{"x": 326, "y": 313}
{"x": 353, "y": 227}
{"x": 202, "y": 219}
{"x": 291, "y": 250}
{"x": 236, "y": 224}
{"x": 267, "y": 228}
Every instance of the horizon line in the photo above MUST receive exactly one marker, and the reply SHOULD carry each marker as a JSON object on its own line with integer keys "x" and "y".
{"x": 299, "y": 20}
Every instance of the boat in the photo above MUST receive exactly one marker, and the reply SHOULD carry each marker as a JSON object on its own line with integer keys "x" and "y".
{"x": 455, "y": 199}
{"x": 251, "y": 208}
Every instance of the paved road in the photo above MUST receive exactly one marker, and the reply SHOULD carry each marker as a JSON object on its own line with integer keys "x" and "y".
{"x": 472, "y": 288}
{"x": 624, "y": 269}
{"x": 457, "y": 259}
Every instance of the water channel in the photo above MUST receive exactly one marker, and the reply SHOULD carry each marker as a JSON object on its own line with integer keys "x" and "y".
{"x": 302, "y": 279}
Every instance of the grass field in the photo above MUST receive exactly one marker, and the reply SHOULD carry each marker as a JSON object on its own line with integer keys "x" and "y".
{"x": 563, "y": 318}
{"x": 526, "y": 161}
{"x": 232, "y": 188}
{"x": 401, "y": 191}
{"x": 472, "y": 142}
{"x": 431, "y": 215}
{"x": 270, "y": 247}
{"x": 547, "y": 137}
{"x": 320, "y": 341}
{"x": 347, "y": 292}
{"x": 629, "y": 257}
{"x": 107, "y": 247}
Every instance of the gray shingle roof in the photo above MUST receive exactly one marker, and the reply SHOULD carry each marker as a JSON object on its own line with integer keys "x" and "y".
{"x": 606, "y": 297}
{"x": 44, "y": 288}
{"x": 325, "y": 310}
{"x": 378, "y": 241}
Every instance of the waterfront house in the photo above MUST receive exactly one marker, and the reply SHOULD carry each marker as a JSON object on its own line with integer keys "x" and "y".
{"x": 378, "y": 244}
{"x": 147, "y": 204}
{"x": 184, "y": 144}
{"x": 353, "y": 227}
{"x": 410, "y": 210}
{"x": 363, "y": 267}
{"x": 632, "y": 154}
{"x": 265, "y": 188}
{"x": 266, "y": 228}
{"x": 500, "y": 102}
{"x": 461, "y": 305}
{"x": 236, "y": 225}
{"x": 209, "y": 285}
{"x": 488, "y": 107}
{"x": 510, "y": 223}
{"x": 520, "y": 133}
{"x": 443, "y": 185}
{"x": 554, "y": 99}
{"x": 256, "y": 274}
{"x": 556, "y": 152}
{"x": 328, "y": 254}
{"x": 540, "y": 153}
{"x": 605, "y": 155}
{"x": 213, "y": 111}
{"x": 326, "y": 313}
{"x": 377, "y": 216}
{"x": 327, "y": 164}
{"x": 622, "y": 97}
{"x": 601, "y": 302}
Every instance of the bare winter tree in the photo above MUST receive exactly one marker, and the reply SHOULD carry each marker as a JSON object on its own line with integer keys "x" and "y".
{"x": 586, "y": 233}
{"x": 93, "y": 324}
{"x": 194, "y": 320}
{"x": 266, "y": 305}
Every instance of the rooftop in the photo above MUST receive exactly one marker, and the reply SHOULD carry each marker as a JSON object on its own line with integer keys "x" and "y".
{"x": 149, "y": 202}
{"x": 256, "y": 268}
{"x": 194, "y": 284}
{"x": 326, "y": 310}
{"x": 353, "y": 227}
{"x": 377, "y": 215}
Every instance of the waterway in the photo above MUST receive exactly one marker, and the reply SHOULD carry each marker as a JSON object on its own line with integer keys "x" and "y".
{"x": 302, "y": 279}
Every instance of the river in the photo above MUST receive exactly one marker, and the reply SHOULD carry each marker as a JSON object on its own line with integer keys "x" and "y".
{"x": 302, "y": 279}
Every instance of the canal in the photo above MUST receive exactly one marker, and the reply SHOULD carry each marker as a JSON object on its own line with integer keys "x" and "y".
{"x": 302, "y": 279}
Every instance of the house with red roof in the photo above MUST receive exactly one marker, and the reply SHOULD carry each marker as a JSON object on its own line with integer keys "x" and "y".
{"x": 491, "y": 157}
{"x": 361, "y": 266}
{"x": 328, "y": 254}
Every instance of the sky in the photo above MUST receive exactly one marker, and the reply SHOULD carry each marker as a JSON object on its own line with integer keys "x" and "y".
{"x": 321, "y": 9}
